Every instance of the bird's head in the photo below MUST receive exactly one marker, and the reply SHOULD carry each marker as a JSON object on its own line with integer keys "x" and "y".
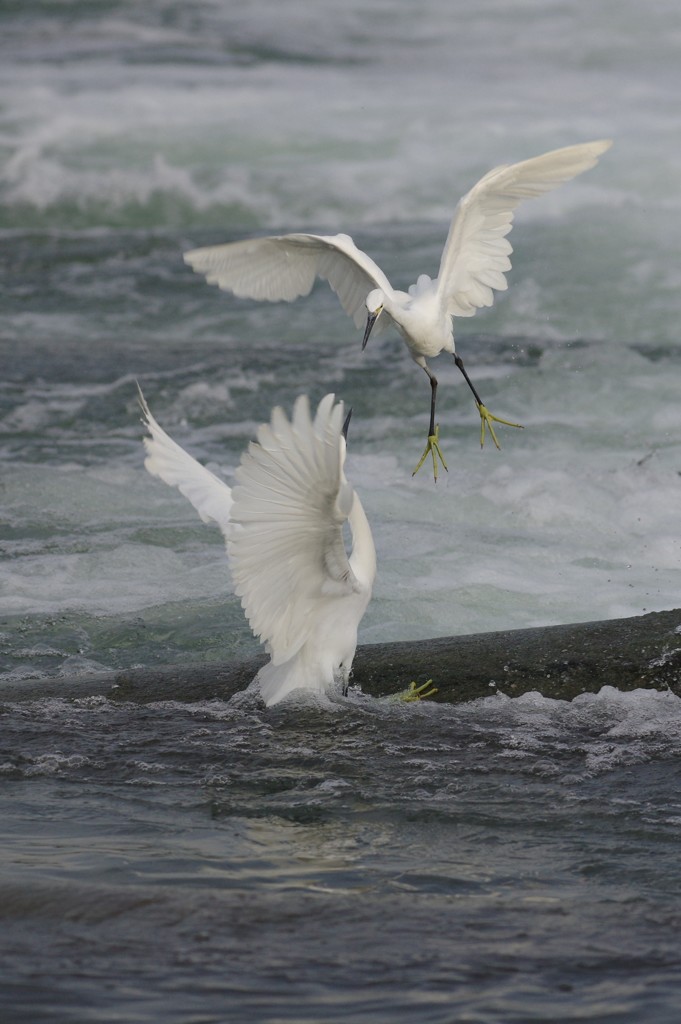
{"x": 344, "y": 441}
{"x": 374, "y": 304}
{"x": 346, "y": 424}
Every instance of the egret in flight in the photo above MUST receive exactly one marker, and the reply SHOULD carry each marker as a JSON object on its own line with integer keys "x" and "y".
{"x": 473, "y": 264}
{"x": 303, "y": 595}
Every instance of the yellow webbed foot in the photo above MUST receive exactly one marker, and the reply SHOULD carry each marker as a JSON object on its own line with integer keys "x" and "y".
{"x": 432, "y": 447}
{"x": 486, "y": 419}
{"x": 414, "y": 692}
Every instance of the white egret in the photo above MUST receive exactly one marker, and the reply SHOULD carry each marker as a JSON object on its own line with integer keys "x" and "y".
{"x": 473, "y": 263}
{"x": 303, "y": 595}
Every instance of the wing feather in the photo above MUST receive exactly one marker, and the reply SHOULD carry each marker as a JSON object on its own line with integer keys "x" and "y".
{"x": 476, "y": 254}
{"x": 291, "y": 501}
{"x": 284, "y": 267}
{"x": 210, "y": 496}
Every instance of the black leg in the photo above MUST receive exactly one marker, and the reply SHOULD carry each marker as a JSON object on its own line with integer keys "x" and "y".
{"x": 459, "y": 362}
{"x": 486, "y": 416}
{"x": 432, "y": 444}
{"x": 433, "y": 392}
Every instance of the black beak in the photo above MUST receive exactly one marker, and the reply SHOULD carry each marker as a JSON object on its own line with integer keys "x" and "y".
{"x": 371, "y": 320}
{"x": 344, "y": 431}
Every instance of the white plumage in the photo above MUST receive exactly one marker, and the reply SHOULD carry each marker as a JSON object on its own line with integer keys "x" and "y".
{"x": 303, "y": 595}
{"x": 473, "y": 265}
{"x": 284, "y": 267}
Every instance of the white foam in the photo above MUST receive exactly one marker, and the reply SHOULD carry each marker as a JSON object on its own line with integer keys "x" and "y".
{"x": 592, "y": 734}
{"x": 218, "y": 135}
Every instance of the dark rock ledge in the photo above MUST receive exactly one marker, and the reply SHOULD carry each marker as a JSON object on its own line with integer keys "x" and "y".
{"x": 556, "y": 661}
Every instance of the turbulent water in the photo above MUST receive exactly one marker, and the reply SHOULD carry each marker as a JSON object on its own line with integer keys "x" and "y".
{"x": 509, "y": 860}
{"x": 505, "y": 861}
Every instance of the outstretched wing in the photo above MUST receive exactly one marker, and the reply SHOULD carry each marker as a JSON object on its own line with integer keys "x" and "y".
{"x": 283, "y": 267}
{"x": 291, "y": 501}
{"x": 211, "y": 497}
{"x": 475, "y": 256}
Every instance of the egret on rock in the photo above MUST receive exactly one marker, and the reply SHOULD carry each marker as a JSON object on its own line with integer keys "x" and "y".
{"x": 303, "y": 595}
{"x": 472, "y": 266}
